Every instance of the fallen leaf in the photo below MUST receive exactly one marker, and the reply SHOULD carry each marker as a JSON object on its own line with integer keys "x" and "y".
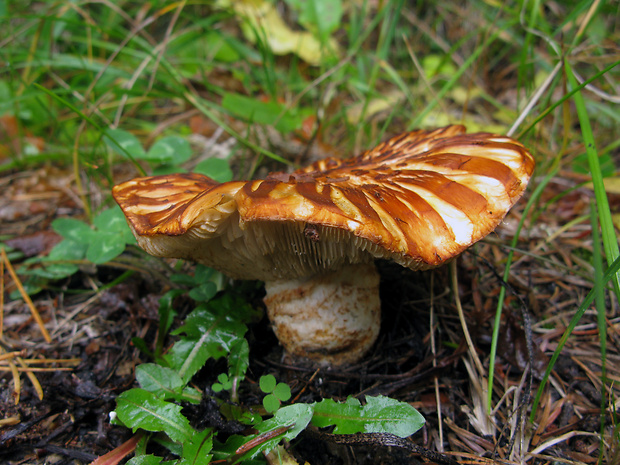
{"x": 261, "y": 18}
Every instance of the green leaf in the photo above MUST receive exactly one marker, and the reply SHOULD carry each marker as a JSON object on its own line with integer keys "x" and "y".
{"x": 113, "y": 221}
{"x": 196, "y": 451}
{"x": 138, "y": 408}
{"x": 267, "y": 383}
{"x": 67, "y": 250}
{"x": 145, "y": 460}
{"x": 73, "y": 229}
{"x": 187, "y": 356}
{"x": 216, "y": 168}
{"x": 216, "y": 41}
{"x": 124, "y": 143}
{"x": 239, "y": 359}
{"x": 380, "y": 415}
{"x": 211, "y": 330}
{"x": 203, "y": 292}
{"x": 267, "y": 113}
{"x": 161, "y": 381}
{"x": 271, "y": 403}
{"x": 322, "y": 17}
{"x": 282, "y": 391}
{"x": 296, "y": 417}
{"x": 104, "y": 247}
{"x": 172, "y": 149}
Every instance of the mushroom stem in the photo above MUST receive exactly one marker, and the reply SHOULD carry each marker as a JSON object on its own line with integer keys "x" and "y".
{"x": 331, "y": 319}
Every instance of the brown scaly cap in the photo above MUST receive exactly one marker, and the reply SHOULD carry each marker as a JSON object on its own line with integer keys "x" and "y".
{"x": 419, "y": 199}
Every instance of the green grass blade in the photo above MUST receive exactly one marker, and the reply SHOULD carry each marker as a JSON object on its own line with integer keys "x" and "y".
{"x": 566, "y": 97}
{"x": 599, "y": 303}
{"x": 502, "y": 292}
{"x": 610, "y": 242}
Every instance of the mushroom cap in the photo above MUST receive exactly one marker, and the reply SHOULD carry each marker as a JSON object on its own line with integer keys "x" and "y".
{"x": 420, "y": 199}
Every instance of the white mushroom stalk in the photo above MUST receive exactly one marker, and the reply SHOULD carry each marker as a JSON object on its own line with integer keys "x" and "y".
{"x": 419, "y": 199}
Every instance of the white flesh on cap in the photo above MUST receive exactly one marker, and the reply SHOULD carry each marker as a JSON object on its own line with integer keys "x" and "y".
{"x": 331, "y": 319}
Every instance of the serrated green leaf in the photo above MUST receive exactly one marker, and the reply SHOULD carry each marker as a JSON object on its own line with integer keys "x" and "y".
{"x": 196, "y": 451}
{"x": 211, "y": 330}
{"x": 215, "y": 168}
{"x": 172, "y": 149}
{"x": 104, "y": 247}
{"x": 161, "y": 381}
{"x": 267, "y": 383}
{"x": 187, "y": 356}
{"x": 239, "y": 359}
{"x": 296, "y": 417}
{"x": 380, "y": 415}
{"x": 73, "y": 229}
{"x": 124, "y": 143}
{"x": 138, "y": 408}
{"x": 192, "y": 395}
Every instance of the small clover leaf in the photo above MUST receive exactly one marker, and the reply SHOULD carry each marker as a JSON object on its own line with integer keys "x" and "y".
{"x": 225, "y": 384}
{"x": 267, "y": 383}
{"x": 276, "y": 393}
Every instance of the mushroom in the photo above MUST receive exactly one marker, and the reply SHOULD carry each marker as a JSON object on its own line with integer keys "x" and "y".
{"x": 312, "y": 236}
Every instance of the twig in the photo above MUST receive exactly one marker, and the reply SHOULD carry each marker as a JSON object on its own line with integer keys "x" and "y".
{"x": 382, "y": 440}
{"x": 25, "y": 296}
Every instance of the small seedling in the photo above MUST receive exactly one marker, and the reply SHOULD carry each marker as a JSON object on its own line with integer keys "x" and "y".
{"x": 223, "y": 384}
{"x": 276, "y": 393}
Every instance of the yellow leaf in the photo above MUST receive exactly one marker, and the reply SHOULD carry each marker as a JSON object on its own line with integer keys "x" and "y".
{"x": 260, "y": 17}
{"x": 612, "y": 185}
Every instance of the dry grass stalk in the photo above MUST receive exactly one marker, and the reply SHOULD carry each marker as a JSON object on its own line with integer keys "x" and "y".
{"x": 25, "y": 296}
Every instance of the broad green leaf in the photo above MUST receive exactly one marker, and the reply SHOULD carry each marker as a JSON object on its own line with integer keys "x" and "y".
{"x": 380, "y": 415}
{"x": 73, "y": 229}
{"x": 104, "y": 247}
{"x": 159, "y": 380}
{"x": 216, "y": 168}
{"x": 138, "y": 408}
{"x": 124, "y": 143}
{"x": 187, "y": 356}
{"x": 294, "y": 417}
{"x": 172, "y": 149}
{"x": 268, "y": 113}
{"x": 53, "y": 271}
{"x": 113, "y": 221}
{"x": 196, "y": 451}
{"x": 67, "y": 250}
{"x": 211, "y": 329}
